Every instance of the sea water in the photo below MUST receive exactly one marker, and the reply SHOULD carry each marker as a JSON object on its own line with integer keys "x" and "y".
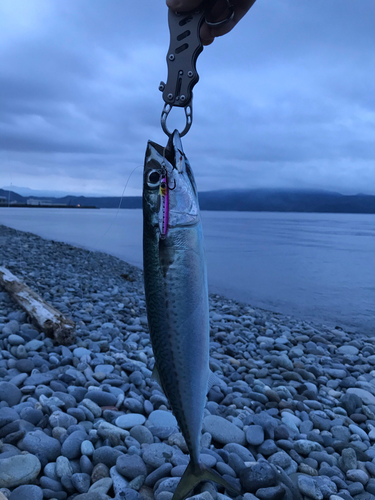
{"x": 319, "y": 267}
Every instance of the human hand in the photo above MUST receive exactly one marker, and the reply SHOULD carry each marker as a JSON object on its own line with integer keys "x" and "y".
{"x": 219, "y": 12}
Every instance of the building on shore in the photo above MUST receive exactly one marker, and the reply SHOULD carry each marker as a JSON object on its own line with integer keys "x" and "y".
{"x": 3, "y": 200}
{"x": 34, "y": 202}
{"x": 38, "y": 203}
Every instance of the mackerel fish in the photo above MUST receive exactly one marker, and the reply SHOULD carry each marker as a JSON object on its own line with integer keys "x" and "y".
{"x": 177, "y": 296}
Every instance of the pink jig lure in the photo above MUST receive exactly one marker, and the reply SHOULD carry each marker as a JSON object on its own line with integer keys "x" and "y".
{"x": 164, "y": 206}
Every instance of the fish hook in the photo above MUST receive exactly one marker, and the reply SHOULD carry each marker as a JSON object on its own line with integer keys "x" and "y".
{"x": 174, "y": 187}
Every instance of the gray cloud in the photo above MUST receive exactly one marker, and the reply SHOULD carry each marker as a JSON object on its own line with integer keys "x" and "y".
{"x": 287, "y": 99}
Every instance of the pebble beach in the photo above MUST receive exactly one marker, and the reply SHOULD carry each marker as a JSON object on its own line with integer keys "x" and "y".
{"x": 292, "y": 416}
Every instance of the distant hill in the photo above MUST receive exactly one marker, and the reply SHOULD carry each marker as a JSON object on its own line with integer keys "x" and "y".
{"x": 12, "y": 196}
{"x": 251, "y": 200}
{"x": 27, "y": 192}
{"x": 277, "y": 200}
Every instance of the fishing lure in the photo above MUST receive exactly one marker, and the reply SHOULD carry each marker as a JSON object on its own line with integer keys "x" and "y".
{"x": 164, "y": 206}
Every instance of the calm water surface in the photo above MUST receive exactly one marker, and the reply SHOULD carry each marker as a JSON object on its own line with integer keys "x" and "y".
{"x": 314, "y": 266}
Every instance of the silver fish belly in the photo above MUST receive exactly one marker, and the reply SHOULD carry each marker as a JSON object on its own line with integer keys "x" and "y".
{"x": 177, "y": 295}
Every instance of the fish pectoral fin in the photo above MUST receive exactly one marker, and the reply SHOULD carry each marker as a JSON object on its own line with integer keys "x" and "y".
{"x": 214, "y": 380}
{"x": 155, "y": 375}
{"x": 195, "y": 474}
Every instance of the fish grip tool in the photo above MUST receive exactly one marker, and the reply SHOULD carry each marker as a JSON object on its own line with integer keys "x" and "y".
{"x": 184, "y": 49}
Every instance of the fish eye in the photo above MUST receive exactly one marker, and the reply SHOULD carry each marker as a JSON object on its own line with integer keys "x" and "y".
{"x": 153, "y": 178}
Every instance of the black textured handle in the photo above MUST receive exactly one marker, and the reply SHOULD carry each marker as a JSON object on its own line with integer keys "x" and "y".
{"x": 184, "y": 49}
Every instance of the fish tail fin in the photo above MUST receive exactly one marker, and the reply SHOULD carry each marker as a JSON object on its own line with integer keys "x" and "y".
{"x": 194, "y": 474}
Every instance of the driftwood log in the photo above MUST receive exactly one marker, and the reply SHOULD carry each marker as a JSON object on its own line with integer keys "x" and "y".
{"x": 51, "y": 321}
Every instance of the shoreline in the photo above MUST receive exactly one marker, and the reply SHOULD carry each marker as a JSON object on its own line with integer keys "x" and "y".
{"x": 293, "y": 416}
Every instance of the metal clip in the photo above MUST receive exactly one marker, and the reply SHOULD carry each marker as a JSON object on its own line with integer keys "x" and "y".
{"x": 188, "y": 115}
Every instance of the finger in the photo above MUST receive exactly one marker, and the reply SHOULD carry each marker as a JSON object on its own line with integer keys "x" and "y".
{"x": 206, "y": 35}
{"x": 183, "y": 5}
{"x": 218, "y": 11}
{"x": 209, "y": 33}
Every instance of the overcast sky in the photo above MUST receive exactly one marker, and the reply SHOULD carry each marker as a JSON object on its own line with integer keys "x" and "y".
{"x": 287, "y": 99}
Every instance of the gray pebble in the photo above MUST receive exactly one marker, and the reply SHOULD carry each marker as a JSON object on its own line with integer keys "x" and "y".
{"x": 160, "y": 418}
{"x": 272, "y": 493}
{"x": 99, "y": 471}
{"x": 86, "y": 465}
{"x": 355, "y": 488}
{"x": 27, "y": 492}
{"x": 19, "y": 469}
{"x": 101, "y": 486}
{"x": 357, "y": 475}
{"x": 81, "y": 482}
{"x": 32, "y": 415}
{"x": 304, "y": 446}
{"x": 106, "y": 455}
{"x": 130, "y": 420}
{"x": 224, "y": 468}
{"x": 131, "y": 466}
{"x": 157, "y": 454}
{"x": 50, "y": 484}
{"x": 308, "y": 486}
{"x": 222, "y": 430}
{"x": 142, "y": 434}
{"x": 268, "y": 447}
{"x": 348, "y": 460}
{"x": 87, "y": 448}
{"x": 102, "y": 398}
{"x": 46, "y": 448}
{"x": 50, "y": 471}
{"x": 24, "y": 365}
{"x": 71, "y": 447}
{"x": 61, "y": 419}
{"x": 259, "y": 475}
{"x": 280, "y": 459}
{"x": 63, "y": 467}
{"x": 157, "y": 474}
{"x": 10, "y": 393}
{"x": 255, "y": 435}
{"x": 8, "y": 415}
{"x": 120, "y": 484}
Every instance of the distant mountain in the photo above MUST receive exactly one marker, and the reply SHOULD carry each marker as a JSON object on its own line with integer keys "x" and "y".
{"x": 12, "y": 196}
{"x": 28, "y": 192}
{"x": 251, "y": 200}
{"x": 285, "y": 200}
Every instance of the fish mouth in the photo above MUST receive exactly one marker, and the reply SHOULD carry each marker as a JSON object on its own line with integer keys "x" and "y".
{"x": 173, "y": 152}
{"x": 164, "y": 152}
{"x": 169, "y": 186}
{"x": 171, "y": 158}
